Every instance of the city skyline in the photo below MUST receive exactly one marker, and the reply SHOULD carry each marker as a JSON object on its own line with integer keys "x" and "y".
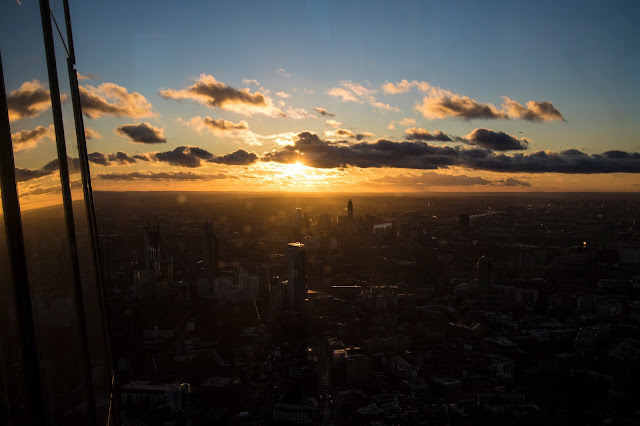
{"x": 327, "y": 97}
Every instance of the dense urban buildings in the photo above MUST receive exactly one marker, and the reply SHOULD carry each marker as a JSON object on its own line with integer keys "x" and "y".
{"x": 531, "y": 315}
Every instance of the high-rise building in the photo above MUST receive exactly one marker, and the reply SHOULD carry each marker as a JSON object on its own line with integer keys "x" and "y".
{"x": 152, "y": 249}
{"x": 485, "y": 273}
{"x": 350, "y": 210}
{"x": 210, "y": 250}
{"x": 296, "y": 275}
{"x": 249, "y": 286}
{"x": 526, "y": 260}
{"x": 225, "y": 290}
{"x": 276, "y": 294}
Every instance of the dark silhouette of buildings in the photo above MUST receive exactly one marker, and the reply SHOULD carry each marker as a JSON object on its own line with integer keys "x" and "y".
{"x": 210, "y": 251}
{"x": 350, "y": 211}
{"x": 296, "y": 286}
{"x": 485, "y": 274}
{"x": 152, "y": 249}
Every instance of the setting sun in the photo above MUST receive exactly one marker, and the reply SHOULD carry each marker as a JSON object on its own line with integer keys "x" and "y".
{"x": 297, "y": 168}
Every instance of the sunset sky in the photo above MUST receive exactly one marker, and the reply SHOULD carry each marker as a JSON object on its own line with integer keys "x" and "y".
{"x": 369, "y": 96}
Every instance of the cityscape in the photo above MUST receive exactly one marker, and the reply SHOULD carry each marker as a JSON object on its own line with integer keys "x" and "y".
{"x": 300, "y": 309}
{"x": 357, "y": 212}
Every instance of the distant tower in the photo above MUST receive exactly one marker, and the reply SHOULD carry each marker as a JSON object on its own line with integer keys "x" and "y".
{"x": 210, "y": 250}
{"x": 485, "y": 273}
{"x": 296, "y": 286}
{"x": 152, "y": 249}
{"x": 350, "y": 210}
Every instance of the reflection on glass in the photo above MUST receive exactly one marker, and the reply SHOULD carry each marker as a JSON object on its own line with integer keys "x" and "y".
{"x": 47, "y": 245}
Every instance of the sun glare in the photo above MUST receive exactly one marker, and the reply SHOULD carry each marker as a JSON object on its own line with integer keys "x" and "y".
{"x": 297, "y": 168}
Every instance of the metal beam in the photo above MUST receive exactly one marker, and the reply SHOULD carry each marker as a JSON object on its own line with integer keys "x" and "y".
{"x": 67, "y": 201}
{"x": 89, "y": 207}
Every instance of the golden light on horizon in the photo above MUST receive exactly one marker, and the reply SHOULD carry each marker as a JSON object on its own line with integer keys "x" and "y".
{"x": 300, "y": 175}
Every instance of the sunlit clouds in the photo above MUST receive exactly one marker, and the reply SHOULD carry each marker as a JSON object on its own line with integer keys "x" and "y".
{"x": 298, "y": 113}
{"x": 214, "y": 94}
{"x": 216, "y": 126}
{"x": 90, "y": 133}
{"x": 355, "y": 92}
{"x": 109, "y": 99}
{"x": 441, "y": 104}
{"x": 403, "y": 123}
{"x": 404, "y": 86}
{"x": 344, "y": 133}
{"x": 457, "y": 106}
{"x": 29, "y": 139}
{"x": 534, "y": 111}
{"x": 323, "y": 112}
{"x": 30, "y": 100}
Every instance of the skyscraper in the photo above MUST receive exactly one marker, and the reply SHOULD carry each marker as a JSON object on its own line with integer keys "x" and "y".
{"x": 350, "y": 211}
{"x": 296, "y": 287}
{"x": 152, "y": 249}
{"x": 485, "y": 273}
{"x": 210, "y": 250}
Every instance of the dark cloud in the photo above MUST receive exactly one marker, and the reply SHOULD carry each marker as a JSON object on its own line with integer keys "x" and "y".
{"x": 23, "y": 175}
{"x": 618, "y": 154}
{"x": 459, "y": 107}
{"x": 121, "y": 158}
{"x": 52, "y": 166}
{"x": 183, "y": 156}
{"x": 141, "y": 157}
{"x": 420, "y": 134}
{"x": 109, "y": 99}
{"x": 364, "y": 135}
{"x": 141, "y": 133}
{"x": 570, "y": 162}
{"x": 98, "y": 158}
{"x": 495, "y": 141}
{"x": 323, "y": 112}
{"x": 215, "y": 94}
{"x": 30, "y": 100}
{"x": 237, "y": 158}
{"x": 162, "y": 176}
{"x": 512, "y": 182}
{"x": 315, "y": 152}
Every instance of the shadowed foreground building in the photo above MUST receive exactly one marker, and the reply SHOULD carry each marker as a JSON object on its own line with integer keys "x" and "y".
{"x": 296, "y": 286}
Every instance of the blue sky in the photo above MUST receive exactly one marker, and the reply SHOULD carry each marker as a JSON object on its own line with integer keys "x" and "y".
{"x": 581, "y": 56}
